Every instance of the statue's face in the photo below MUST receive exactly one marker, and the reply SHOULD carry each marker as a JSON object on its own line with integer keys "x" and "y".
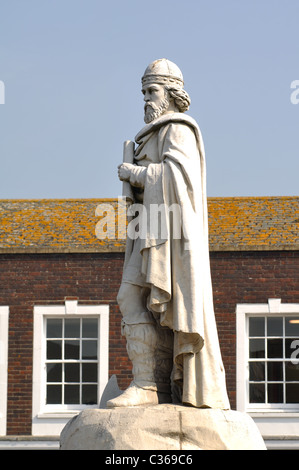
{"x": 156, "y": 101}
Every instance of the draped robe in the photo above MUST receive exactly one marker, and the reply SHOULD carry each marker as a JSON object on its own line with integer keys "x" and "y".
{"x": 176, "y": 269}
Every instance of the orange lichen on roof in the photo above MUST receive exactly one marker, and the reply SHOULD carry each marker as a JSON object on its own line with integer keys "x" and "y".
{"x": 54, "y": 225}
{"x": 254, "y": 223}
{"x": 69, "y": 225}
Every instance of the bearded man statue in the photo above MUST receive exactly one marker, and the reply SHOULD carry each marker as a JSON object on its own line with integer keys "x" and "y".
{"x": 166, "y": 297}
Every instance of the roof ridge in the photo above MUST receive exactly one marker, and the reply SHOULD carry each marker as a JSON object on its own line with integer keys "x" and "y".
{"x": 91, "y": 199}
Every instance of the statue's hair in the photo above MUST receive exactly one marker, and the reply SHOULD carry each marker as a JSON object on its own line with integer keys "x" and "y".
{"x": 181, "y": 98}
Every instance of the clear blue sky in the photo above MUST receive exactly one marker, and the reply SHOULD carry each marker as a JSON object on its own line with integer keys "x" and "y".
{"x": 72, "y": 70}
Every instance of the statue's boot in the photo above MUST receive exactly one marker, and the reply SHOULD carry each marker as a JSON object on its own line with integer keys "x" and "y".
{"x": 150, "y": 350}
{"x": 135, "y": 396}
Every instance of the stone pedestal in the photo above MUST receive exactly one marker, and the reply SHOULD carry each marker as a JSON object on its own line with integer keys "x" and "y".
{"x": 161, "y": 427}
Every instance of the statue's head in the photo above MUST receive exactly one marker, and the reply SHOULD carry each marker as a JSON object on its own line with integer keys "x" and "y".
{"x": 163, "y": 89}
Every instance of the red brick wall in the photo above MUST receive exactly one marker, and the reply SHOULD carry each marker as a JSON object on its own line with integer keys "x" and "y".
{"x": 28, "y": 280}
{"x": 248, "y": 277}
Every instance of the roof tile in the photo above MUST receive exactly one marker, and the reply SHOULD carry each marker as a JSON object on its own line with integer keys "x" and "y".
{"x": 68, "y": 225}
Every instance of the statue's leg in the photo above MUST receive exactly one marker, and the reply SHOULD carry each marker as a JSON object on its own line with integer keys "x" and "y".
{"x": 164, "y": 358}
{"x": 151, "y": 362}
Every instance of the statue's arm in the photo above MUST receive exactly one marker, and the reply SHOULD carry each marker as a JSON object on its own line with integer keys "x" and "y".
{"x": 177, "y": 143}
{"x": 134, "y": 174}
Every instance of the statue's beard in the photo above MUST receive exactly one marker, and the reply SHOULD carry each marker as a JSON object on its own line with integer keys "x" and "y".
{"x": 153, "y": 111}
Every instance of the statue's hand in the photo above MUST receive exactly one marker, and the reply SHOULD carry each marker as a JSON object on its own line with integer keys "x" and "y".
{"x": 134, "y": 174}
{"x": 124, "y": 171}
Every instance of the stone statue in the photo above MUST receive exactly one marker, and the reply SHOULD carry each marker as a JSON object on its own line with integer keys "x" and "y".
{"x": 166, "y": 296}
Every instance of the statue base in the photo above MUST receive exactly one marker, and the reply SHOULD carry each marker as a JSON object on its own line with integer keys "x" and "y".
{"x": 161, "y": 427}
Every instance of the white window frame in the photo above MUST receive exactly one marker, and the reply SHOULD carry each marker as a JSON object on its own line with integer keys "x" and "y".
{"x": 50, "y": 419}
{"x": 4, "y": 315}
{"x": 280, "y": 423}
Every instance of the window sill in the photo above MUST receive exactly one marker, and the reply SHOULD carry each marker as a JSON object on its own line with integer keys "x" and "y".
{"x": 273, "y": 413}
{"x": 58, "y": 414}
{"x": 63, "y": 413}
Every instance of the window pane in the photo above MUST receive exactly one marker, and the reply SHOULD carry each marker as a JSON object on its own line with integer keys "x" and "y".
{"x": 54, "y": 349}
{"x": 275, "y": 371}
{"x": 54, "y": 328}
{"x": 89, "y": 394}
{"x": 72, "y": 361}
{"x": 72, "y": 349}
{"x": 90, "y": 372}
{"x": 292, "y": 371}
{"x": 257, "y": 371}
{"x": 274, "y": 326}
{"x": 292, "y": 348}
{"x": 72, "y": 394}
{"x": 90, "y": 328}
{"x": 256, "y": 348}
{"x": 54, "y": 372}
{"x": 274, "y": 359}
{"x": 72, "y": 372}
{"x": 275, "y": 348}
{"x": 292, "y": 326}
{"x": 292, "y": 393}
{"x": 89, "y": 349}
{"x": 275, "y": 393}
{"x": 72, "y": 328}
{"x": 54, "y": 394}
{"x": 257, "y": 326}
{"x": 257, "y": 393}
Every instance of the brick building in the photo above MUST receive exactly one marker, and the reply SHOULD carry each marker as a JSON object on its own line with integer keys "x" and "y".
{"x": 60, "y": 324}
